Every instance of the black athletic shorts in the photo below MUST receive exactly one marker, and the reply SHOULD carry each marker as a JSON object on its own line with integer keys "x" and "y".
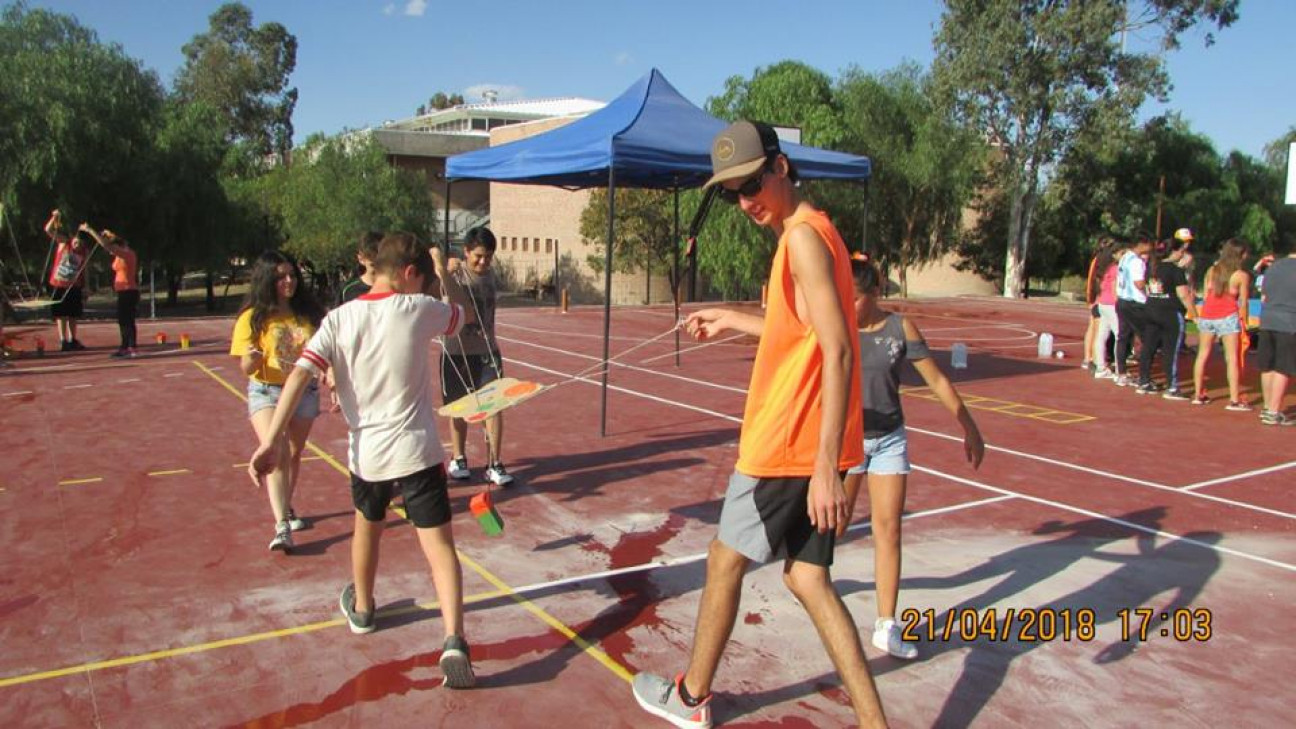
{"x": 477, "y": 369}
{"x": 764, "y": 518}
{"x": 1276, "y": 352}
{"x": 426, "y": 501}
{"x": 70, "y": 303}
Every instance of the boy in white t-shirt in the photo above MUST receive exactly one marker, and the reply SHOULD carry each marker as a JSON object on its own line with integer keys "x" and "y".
{"x": 377, "y": 349}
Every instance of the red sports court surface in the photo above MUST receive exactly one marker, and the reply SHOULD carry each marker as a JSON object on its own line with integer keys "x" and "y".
{"x": 137, "y": 588}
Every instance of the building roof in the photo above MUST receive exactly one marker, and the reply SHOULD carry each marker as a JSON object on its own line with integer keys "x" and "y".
{"x": 444, "y": 120}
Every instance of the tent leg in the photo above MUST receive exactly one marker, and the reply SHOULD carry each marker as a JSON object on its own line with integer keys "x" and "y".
{"x": 675, "y": 275}
{"x": 607, "y": 296}
{"x": 447, "y": 216}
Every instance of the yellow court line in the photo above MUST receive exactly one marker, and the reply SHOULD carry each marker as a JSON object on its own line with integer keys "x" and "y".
{"x": 594, "y": 651}
{"x": 226, "y": 643}
{"x": 172, "y": 472}
{"x": 1005, "y": 407}
{"x": 77, "y": 481}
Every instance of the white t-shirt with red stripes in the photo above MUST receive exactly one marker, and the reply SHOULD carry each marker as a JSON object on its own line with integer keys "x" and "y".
{"x": 378, "y": 347}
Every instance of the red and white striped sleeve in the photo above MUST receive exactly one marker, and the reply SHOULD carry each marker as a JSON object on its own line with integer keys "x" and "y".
{"x": 318, "y": 352}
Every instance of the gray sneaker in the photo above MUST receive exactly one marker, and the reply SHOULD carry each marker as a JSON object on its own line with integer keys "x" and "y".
{"x": 456, "y": 665}
{"x": 282, "y": 541}
{"x": 296, "y": 523}
{"x": 360, "y": 623}
{"x": 660, "y": 697}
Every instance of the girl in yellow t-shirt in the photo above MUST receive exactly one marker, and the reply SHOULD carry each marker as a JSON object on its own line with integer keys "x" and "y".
{"x": 278, "y": 318}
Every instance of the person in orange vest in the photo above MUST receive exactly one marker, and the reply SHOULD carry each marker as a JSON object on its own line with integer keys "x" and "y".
{"x": 802, "y": 429}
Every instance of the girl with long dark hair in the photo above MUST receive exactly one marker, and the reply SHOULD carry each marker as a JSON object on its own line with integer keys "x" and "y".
{"x": 277, "y": 319}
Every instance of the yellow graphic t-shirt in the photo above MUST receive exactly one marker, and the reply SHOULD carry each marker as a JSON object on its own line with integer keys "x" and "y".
{"x": 281, "y": 342}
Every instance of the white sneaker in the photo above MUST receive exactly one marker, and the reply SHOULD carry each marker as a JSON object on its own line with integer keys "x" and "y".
{"x": 458, "y": 468}
{"x": 497, "y": 475}
{"x": 1104, "y": 374}
{"x": 886, "y": 636}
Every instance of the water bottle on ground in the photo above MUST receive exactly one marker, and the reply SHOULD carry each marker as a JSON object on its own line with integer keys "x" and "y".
{"x": 958, "y": 356}
{"x": 1045, "y": 345}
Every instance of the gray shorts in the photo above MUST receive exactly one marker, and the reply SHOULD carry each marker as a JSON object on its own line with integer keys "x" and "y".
{"x": 261, "y": 396}
{"x": 764, "y": 518}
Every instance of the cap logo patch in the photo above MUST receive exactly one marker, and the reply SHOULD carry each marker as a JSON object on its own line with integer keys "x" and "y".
{"x": 724, "y": 149}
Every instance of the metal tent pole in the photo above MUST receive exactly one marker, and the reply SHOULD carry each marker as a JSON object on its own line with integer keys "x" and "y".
{"x": 675, "y": 274}
{"x": 607, "y": 295}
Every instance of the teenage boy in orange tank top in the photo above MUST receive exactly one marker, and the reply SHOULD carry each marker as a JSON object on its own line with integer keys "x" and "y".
{"x": 802, "y": 428}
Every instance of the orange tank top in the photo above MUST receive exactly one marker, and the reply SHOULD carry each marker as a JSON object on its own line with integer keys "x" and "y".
{"x": 780, "y": 430}
{"x": 125, "y": 271}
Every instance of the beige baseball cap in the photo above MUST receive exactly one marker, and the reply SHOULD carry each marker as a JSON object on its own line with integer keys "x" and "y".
{"x": 1184, "y": 234}
{"x": 740, "y": 150}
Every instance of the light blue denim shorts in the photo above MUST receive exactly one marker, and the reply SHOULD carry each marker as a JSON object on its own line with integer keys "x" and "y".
{"x": 1230, "y": 324}
{"x": 886, "y": 454}
{"x": 261, "y": 396}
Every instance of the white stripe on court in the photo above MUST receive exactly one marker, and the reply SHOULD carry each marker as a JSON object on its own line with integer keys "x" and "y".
{"x": 16, "y": 394}
{"x": 77, "y": 387}
{"x": 636, "y": 393}
{"x": 1108, "y": 519}
{"x": 999, "y": 449}
{"x": 956, "y": 479}
{"x": 659, "y": 373}
{"x": 1235, "y": 477}
{"x": 698, "y": 557}
{"x": 129, "y": 379}
{"x": 1115, "y": 476}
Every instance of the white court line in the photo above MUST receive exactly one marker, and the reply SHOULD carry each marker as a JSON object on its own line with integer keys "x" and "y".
{"x": 1000, "y": 449}
{"x": 694, "y": 348}
{"x": 698, "y": 557}
{"x": 174, "y": 374}
{"x": 636, "y": 393}
{"x": 129, "y": 379}
{"x": 16, "y": 394}
{"x": 558, "y": 333}
{"x": 659, "y": 373}
{"x": 1107, "y": 474}
{"x": 76, "y": 387}
{"x": 1006, "y": 492}
{"x": 1235, "y": 477}
{"x": 1109, "y": 519}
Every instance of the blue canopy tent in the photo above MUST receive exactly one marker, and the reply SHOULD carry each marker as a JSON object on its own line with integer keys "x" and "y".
{"x": 648, "y": 137}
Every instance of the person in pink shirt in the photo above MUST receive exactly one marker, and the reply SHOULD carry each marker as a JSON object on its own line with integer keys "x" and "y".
{"x": 1103, "y": 291}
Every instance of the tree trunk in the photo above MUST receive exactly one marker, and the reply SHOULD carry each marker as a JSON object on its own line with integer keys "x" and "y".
{"x": 648, "y": 283}
{"x": 211, "y": 293}
{"x": 1019, "y": 222}
{"x": 173, "y": 287}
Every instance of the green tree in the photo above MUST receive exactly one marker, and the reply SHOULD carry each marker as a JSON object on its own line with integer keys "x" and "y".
{"x": 645, "y": 240}
{"x": 1032, "y": 75}
{"x": 438, "y": 102}
{"x": 925, "y": 167}
{"x": 339, "y": 188}
{"x": 733, "y": 254}
{"x": 79, "y": 118}
{"x": 242, "y": 70}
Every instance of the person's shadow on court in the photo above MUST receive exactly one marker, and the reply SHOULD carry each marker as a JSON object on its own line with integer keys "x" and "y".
{"x": 1180, "y": 565}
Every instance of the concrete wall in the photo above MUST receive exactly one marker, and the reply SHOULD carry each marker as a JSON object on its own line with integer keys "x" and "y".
{"x": 532, "y": 221}
{"x": 941, "y": 278}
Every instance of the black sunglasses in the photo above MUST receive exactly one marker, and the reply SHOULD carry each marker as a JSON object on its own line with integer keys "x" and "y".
{"x": 750, "y": 188}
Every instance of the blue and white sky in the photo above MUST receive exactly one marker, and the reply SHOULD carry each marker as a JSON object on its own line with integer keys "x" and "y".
{"x": 361, "y": 62}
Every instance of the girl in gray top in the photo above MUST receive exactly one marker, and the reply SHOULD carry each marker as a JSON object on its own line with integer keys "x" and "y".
{"x": 886, "y": 341}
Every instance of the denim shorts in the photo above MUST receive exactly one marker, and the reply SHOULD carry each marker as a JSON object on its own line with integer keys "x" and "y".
{"x": 1230, "y": 324}
{"x": 261, "y": 396}
{"x": 886, "y": 454}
